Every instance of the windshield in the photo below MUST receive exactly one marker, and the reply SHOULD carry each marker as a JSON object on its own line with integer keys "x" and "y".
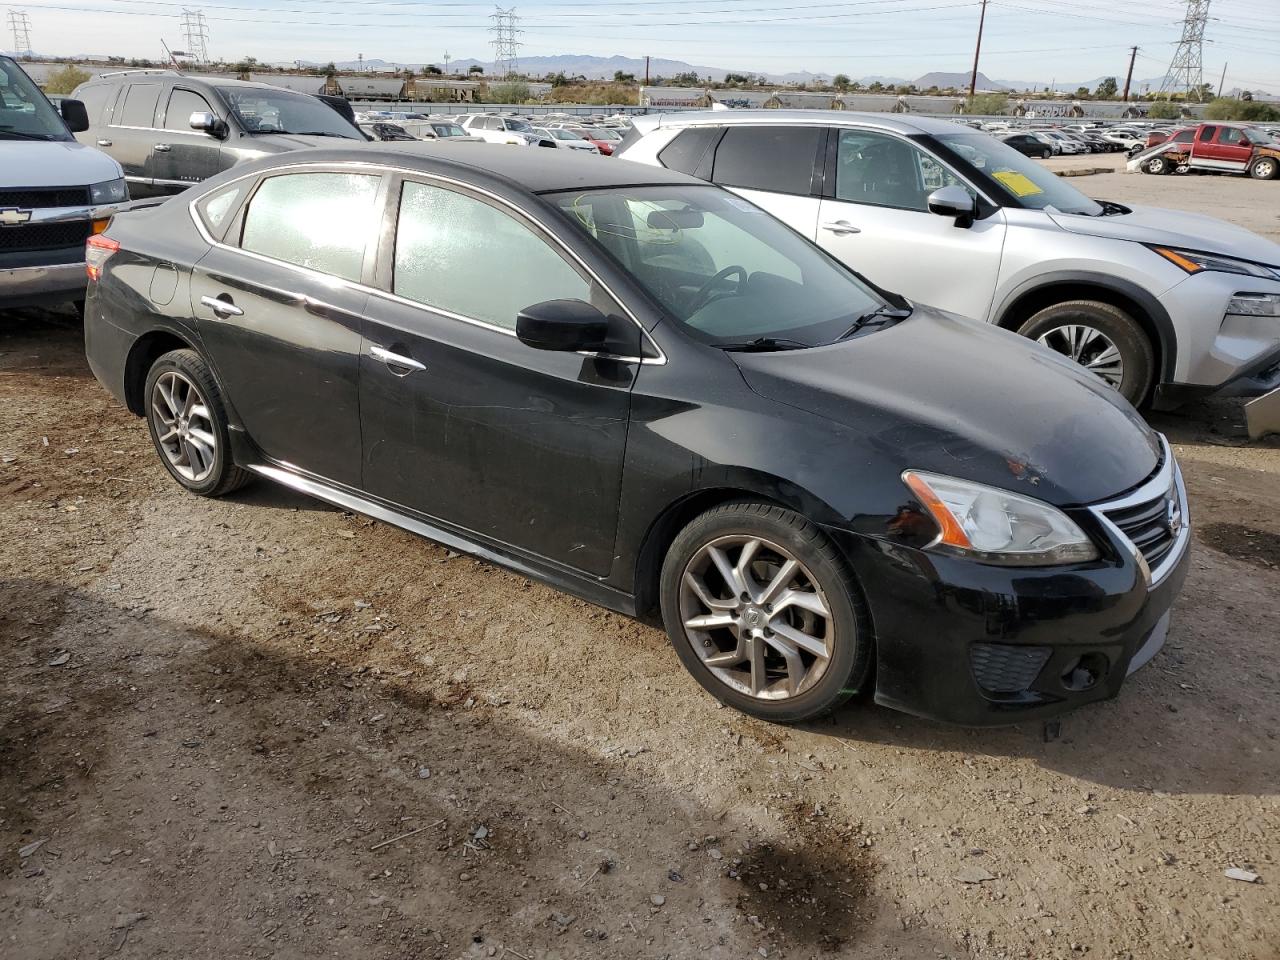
{"x": 565, "y": 135}
{"x": 448, "y": 130}
{"x": 723, "y": 268}
{"x": 279, "y": 111}
{"x": 1025, "y": 182}
{"x": 520, "y": 125}
{"x": 1258, "y": 137}
{"x": 25, "y": 114}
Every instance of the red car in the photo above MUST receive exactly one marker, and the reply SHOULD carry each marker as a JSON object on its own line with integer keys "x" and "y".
{"x": 604, "y": 143}
{"x": 1220, "y": 148}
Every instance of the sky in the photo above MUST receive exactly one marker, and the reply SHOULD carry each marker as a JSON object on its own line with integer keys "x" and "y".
{"x": 1024, "y": 40}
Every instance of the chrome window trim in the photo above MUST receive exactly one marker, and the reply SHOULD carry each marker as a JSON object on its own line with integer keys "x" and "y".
{"x": 381, "y": 169}
{"x": 1168, "y": 477}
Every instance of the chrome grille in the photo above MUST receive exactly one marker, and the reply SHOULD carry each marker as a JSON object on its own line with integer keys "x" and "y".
{"x": 1150, "y": 526}
{"x": 1153, "y": 518}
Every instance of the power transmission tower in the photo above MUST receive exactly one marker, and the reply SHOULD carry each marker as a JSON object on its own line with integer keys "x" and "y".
{"x": 196, "y": 32}
{"x": 506, "y": 47}
{"x": 1186, "y": 71}
{"x": 20, "y": 24}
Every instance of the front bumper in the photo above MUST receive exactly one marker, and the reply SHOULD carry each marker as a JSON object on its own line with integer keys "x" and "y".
{"x": 983, "y": 645}
{"x": 53, "y": 283}
{"x": 1262, "y": 415}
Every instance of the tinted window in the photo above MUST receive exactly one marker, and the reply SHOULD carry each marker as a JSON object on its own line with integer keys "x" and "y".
{"x": 260, "y": 110}
{"x": 317, "y": 220}
{"x": 779, "y": 159}
{"x": 139, "y": 108}
{"x": 182, "y": 104}
{"x": 215, "y": 208}
{"x": 94, "y": 98}
{"x": 1207, "y": 133}
{"x": 448, "y": 246}
{"x": 1184, "y": 136}
{"x": 686, "y": 151}
{"x": 883, "y": 170}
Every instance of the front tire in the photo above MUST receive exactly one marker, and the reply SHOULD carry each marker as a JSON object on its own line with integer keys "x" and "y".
{"x": 1265, "y": 168}
{"x": 762, "y": 610}
{"x": 187, "y": 421}
{"x": 1046, "y": 154}
{"x": 1101, "y": 338}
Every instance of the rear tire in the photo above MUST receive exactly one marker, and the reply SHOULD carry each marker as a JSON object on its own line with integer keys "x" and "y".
{"x": 1158, "y": 166}
{"x": 187, "y": 421}
{"x": 801, "y": 602}
{"x": 1265, "y": 168}
{"x": 1046, "y": 154}
{"x": 1098, "y": 334}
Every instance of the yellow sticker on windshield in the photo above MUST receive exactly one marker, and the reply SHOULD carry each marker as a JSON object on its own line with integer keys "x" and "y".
{"x": 1019, "y": 184}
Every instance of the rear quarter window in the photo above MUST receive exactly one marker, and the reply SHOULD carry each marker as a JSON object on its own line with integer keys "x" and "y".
{"x": 139, "y": 107}
{"x": 687, "y": 150}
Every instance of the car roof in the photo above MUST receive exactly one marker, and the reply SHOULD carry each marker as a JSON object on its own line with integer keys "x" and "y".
{"x": 524, "y": 169}
{"x": 893, "y": 122}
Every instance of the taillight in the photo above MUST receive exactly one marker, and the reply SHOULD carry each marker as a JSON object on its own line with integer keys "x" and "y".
{"x": 97, "y": 250}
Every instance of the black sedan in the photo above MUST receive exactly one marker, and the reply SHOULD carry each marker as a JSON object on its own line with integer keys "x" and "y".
{"x": 644, "y": 390}
{"x": 1029, "y": 146}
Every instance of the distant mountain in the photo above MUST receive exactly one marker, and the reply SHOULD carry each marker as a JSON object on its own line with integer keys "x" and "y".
{"x": 958, "y": 80}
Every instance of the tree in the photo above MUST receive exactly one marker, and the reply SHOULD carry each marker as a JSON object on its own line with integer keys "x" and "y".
{"x": 431, "y": 70}
{"x": 1253, "y": 111}
{"x": 1107, "y": 89}
{"x": 329, "y": 69}
{"x": 687, "y": 79}
{"x": 1082, "y": 93}
{"x": 737, "y": 79}
{"x": 475, "y": 68}
{"x": 987, "y": 104}
{"x": 841, "y": 82}
{"x": 65, "y": 79}
{"x": 620, "y": 77}
{"x": 516, "y": 91}
{"x": 1164, "y": 110}
{"x": 876, "y": 86}
{"x": 855, "y": 86}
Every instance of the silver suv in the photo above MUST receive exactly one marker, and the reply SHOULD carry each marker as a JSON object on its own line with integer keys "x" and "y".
{"x": 1163, "y": 305}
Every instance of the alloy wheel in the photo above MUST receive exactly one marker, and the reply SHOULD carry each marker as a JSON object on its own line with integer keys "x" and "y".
{"x": 1089, "y": 347}
{"x": 757, "y": 617}
{"x": 183, "y": 426}
{"x": 1264, "y": 169}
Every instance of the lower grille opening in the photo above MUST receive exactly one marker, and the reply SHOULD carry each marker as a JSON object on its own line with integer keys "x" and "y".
{"x": 1000, "y": 668}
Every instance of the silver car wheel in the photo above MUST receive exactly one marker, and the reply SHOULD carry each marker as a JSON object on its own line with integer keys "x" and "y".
{"x": 183, "y": 426}
{"x": 1089, "y": 347}
{"x": 757, "y": 617}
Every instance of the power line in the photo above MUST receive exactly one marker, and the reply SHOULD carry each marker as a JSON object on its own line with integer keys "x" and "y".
{"x": 1186, "y": 70}
{"x": 20, "y": 24}
{"x": 506, "y": 47}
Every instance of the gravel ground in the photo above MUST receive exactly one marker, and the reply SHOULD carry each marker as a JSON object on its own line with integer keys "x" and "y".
{"x": 258, "y": 727}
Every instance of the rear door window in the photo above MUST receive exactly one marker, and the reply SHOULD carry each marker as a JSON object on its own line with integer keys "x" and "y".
{"x": 776, "y": 159}
{"x": 139, "y": 107}
{"x": 687, "y": 150}
{"x": 321, "y": 221}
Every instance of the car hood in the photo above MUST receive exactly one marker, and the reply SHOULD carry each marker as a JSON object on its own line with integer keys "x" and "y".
{"x": 1173, "y": 228}
{"x": 283, "y": 142}
{"x": 54, "y": 163}
{"x": 953, "y": 396}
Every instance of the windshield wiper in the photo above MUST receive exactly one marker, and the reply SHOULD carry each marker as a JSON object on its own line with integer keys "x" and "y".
{"x": 314, "y": 133}
{"x": 878, "y": 315}
{"x": 763, "y": 345}
{"x": 19, "y": 135}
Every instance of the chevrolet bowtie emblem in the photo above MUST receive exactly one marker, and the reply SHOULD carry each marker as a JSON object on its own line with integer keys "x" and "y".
{"x": 12, "y": 216}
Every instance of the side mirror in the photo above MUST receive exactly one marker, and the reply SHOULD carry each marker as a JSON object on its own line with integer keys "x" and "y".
{"x": 208, "y": 123}
{"x": 954, "y": 202}
{"x": 74, "y": 115}
{"x": 568, "y": 325}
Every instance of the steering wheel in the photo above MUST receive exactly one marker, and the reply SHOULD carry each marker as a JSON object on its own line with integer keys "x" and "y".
{"x": 703, "y": 296}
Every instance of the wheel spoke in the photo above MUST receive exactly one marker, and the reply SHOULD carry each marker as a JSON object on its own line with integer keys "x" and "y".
{"x": 803, "y": 599}
{"x": 801, "y": 639}
{"x": 168, "y": 396}
{"x": 727, "y": 571}
{"x": 756, "y": 653}
{"x": 743, "y": 567}
{"x": 164, "y": 418}
{"x": 172, "y": 434}
{"x": 194, "y": 460}
{"x": 699, "y": 588}
{"x": 796, "y": 671}
{"x": 779, "y": 582}
{"x": 189, "y": 401}
{"x": 710, "y": 621}
{"x": 201, "y": 411}
{"x": 204, "y": 440}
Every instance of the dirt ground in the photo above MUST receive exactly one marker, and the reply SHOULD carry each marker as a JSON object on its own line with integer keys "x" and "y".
{"x": 259, "y": 727}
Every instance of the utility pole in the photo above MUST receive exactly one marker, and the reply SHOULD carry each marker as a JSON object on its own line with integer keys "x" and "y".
{"x": 646, "y": 71}
{"x": 1128, "y": 79}
{"x": 1223, "y": 82}
{"x": 447, "y": 58}
{"x": 973, "y": 79}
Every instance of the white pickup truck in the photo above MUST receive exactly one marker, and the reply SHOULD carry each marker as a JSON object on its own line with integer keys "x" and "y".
{"x": 54, "y": 194}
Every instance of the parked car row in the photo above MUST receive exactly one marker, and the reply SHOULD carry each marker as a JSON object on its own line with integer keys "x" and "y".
{"x": 804, "y": 459}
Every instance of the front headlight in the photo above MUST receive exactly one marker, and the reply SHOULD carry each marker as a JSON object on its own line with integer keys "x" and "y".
{"x": 1194, "y": 262}
{"x": 1255, "y": 305}
{"x": 109, "y": 191}
{"x": 996, "y": 526}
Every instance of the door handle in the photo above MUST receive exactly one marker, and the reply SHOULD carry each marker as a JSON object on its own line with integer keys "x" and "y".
{"x": 162, "y": 148}
{"x": 104, "y": 143}
{"x": 841, "y": 227}
{"x": 223, "y": 308}
{"x": 396, "y": 359}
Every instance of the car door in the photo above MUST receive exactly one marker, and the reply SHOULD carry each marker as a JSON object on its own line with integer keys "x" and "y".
{"x": 131, "y": 133}
{"x": 279, "y": 308}
{"x": 875, "y": 217}
{"x": 182, "y": 156}
{"x": 464, "y": 423}
{"x": 1232, "y": 149}
{"x": 775, "y": 167}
